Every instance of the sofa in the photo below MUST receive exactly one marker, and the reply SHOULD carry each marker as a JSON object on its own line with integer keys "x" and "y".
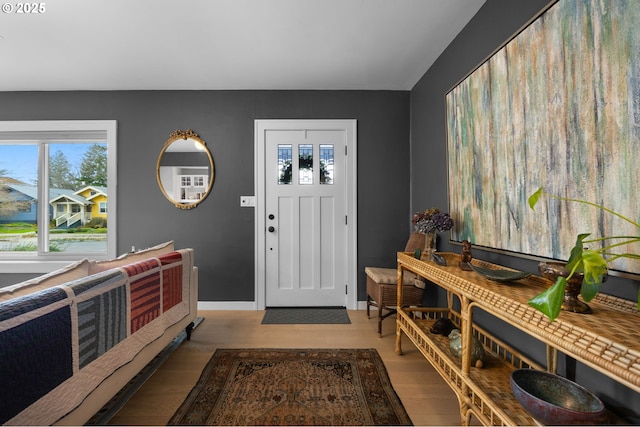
{"x": 71, "y": 339}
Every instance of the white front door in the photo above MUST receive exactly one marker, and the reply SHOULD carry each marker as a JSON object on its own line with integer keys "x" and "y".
{"x": 305, "y": 215}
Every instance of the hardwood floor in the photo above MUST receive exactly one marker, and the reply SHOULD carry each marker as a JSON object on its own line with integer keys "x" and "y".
{"x": 426, "y": 397}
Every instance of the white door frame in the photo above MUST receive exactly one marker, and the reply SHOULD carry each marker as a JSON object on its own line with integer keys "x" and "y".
{"x": 349, "y": 126}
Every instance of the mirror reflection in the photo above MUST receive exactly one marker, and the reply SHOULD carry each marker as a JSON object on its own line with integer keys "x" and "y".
{"x": 185, "y": 169}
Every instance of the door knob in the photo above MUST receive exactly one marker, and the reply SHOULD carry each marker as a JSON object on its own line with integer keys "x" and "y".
{"x": 271, "y": 229}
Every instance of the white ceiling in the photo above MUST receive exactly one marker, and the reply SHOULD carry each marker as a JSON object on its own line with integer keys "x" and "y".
{"x": 226, "y": 44}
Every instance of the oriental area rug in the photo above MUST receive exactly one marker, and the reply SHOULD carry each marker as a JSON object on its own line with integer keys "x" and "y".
{"x": 246, "y": 387}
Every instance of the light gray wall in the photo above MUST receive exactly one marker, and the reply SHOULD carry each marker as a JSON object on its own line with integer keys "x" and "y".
{"x": 221, "y": 232}
{"x": 494, "y": 24}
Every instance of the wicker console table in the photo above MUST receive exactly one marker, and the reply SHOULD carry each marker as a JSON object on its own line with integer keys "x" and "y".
{"x": 605, "y": 340}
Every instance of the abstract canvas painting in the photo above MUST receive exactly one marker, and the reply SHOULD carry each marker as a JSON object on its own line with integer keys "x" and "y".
{"x": 558, "y": 106}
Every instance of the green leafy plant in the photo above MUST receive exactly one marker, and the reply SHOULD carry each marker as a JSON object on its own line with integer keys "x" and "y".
{"x": 592, "y": 263}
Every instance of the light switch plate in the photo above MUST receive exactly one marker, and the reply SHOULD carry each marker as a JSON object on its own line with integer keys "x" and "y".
{"x": 247, "y": 201}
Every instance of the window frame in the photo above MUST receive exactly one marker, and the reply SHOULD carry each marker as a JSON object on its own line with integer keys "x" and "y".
{"x": 56, "y": 131}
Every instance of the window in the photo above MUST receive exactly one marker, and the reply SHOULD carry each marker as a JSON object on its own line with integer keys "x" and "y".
{"x": 326, "y": 163}
{"x": 56, "y": 179}
{"x": 284, "y": 164}
{"x": 305, "y": 164}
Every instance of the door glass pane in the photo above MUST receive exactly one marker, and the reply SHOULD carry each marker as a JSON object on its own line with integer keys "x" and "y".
{"x": 18, "y": 197}
{"x": 284, "y": 163}
{"x": 326, "y": 163}
{"x": 305, "y": 163}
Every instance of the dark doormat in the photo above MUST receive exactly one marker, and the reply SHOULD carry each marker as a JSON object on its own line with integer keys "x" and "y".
{"x": 305, "y": 315}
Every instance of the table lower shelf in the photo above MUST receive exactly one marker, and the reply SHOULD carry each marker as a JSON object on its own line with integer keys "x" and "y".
{"x": 485, "y": 392}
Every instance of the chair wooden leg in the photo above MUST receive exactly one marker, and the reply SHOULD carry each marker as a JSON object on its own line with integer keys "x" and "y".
{"x": 368, "y": 307}
{"x": 381, "y": 317}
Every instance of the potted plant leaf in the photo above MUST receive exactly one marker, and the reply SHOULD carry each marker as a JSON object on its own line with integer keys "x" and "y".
{"x": 591, "y": 263}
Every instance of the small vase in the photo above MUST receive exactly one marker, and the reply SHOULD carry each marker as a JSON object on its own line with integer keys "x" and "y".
{"x": 553, "y": 270}
{"x": 430, "y": 243}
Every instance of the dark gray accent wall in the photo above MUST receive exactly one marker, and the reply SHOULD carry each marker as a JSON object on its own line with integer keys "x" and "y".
{"x": 220, "y": 231}
{"x": 495, "y": 23}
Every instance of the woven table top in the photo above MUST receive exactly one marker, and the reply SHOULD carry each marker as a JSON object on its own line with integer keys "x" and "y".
{"x": 606, "y": 340}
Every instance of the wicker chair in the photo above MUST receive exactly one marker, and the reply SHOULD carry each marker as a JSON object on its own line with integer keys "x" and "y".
{"x": 382, "y": 286}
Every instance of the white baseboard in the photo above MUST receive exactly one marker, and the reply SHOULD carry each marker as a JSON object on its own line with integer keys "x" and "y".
{"x": 248, "y": 305}
{"x": 227, "y": 305}
{"x": 362, "y": 305}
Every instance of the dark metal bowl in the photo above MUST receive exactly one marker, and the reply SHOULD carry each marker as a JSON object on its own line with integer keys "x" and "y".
{"x": 554, "y": 400}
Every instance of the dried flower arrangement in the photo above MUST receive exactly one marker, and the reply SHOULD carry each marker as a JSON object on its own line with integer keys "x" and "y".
{"x": 431, "y": 220}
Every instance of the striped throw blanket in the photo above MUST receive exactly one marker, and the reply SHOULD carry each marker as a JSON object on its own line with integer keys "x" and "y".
{"x": 58, "y": 344}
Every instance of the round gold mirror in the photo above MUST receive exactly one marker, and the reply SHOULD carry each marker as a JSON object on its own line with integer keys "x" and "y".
{"x": 185, "y": 169}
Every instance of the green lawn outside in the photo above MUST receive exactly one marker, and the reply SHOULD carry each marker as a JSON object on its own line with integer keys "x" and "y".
{"x": 23, "y": 227}
{"x": 17, "y": 227}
